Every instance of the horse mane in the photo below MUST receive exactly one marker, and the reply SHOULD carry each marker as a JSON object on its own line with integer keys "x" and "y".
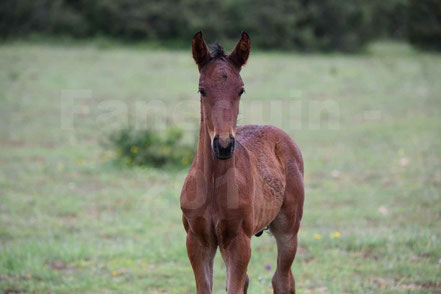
{"x": 217, "y": 51}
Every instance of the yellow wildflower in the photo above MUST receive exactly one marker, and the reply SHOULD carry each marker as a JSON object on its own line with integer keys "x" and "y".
{"x": 317, "y": 236}
{"x": 335, "y": 235}
{"x": 134, "y": 149}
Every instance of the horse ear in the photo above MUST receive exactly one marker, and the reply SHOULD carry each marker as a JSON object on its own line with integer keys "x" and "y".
{"x": 240, "y": 53}
{"x": 201, "y": 54}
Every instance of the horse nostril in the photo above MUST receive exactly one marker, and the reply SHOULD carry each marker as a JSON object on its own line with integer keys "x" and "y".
{"x": 223, "y": 147}
{"x": 216, "y": 141}
{"x": 224, "y": 142}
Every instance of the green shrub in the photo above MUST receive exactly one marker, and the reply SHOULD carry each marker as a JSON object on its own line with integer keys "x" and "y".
{"x": 389, "y": 18}
{"x": 306, "y": 25}
{"x": 424, "y": 24}
{"x": 152, "y": 148}
{"x": 51, "y": 17}
{"x": 280, "y": 24}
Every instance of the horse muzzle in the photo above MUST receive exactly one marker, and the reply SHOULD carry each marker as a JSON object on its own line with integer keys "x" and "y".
{"x": 223, "y": 148}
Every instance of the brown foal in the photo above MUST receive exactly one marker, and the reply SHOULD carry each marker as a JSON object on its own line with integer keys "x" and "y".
{"x": 242, "y": 180}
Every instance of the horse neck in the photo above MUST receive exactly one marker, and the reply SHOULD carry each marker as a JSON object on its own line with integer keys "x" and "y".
{"x": 205, "y": 157}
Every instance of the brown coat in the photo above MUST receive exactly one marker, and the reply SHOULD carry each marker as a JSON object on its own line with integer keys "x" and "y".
{"x": 241, "y": 181}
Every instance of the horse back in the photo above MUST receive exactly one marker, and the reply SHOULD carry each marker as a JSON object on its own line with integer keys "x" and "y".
{"x": 268, "y": 142}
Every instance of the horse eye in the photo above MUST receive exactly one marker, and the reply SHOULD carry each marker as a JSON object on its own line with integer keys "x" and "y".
{"x": 202, "y": 92}
{"x": 241, "y": 92}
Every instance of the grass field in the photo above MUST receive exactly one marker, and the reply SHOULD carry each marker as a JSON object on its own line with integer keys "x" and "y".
{"x": 73, "y": 222}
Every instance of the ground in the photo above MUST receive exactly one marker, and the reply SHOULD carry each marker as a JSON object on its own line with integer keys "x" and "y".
{"x": 72, "y": 222}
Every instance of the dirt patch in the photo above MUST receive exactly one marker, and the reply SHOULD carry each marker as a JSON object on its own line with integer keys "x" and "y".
{"x": 431, "y": 285}
{"x": 58, "y": 265}
{"x": 12, "y": 291}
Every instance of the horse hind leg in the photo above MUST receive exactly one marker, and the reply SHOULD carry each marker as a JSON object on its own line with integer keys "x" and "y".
{"x": 283, "y": 280}
{"x": 285, "y": 228}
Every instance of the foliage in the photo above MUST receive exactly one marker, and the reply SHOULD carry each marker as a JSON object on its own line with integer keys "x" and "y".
{"x": 298, "y": 24}
{"x": 389, "y": 18}
{"x": 424, "y": 26}
{"x": 151, "y": 147}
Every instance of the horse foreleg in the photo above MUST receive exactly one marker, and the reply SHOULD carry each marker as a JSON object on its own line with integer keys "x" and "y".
{"x": 201, "y": 255}
{"x": 236, "y": 254}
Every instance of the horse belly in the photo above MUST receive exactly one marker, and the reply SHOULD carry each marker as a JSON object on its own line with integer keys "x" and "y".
{"x": 268, "y": 199}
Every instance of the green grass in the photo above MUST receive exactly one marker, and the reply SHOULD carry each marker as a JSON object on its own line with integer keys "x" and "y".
{"x": 71, "y": 222}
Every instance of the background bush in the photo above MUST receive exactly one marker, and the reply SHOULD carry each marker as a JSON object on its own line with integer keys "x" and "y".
{"x": 389, "y": 18}
{"x": 312, "y": 25}
{"x": 152, "y": 148}
{"x": 424, "y": 26}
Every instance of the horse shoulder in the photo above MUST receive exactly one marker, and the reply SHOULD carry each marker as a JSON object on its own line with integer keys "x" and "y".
{"x": 194, "y": 194}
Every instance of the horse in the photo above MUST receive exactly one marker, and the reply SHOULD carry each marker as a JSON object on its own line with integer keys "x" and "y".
{"x": 242, "y": 180}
